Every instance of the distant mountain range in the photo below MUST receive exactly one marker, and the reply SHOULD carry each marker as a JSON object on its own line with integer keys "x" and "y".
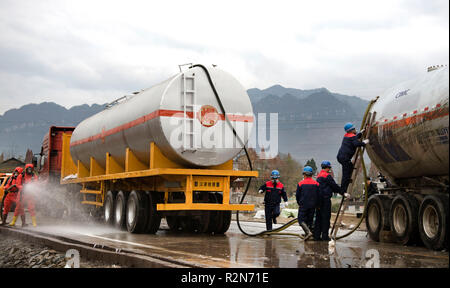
{"x": 310, "y": 121}
{"x": 320, "y": 100}
{"x": 25, "y": 127}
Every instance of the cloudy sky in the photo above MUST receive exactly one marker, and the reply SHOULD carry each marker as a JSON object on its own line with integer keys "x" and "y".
{"x": 75, "y": 52}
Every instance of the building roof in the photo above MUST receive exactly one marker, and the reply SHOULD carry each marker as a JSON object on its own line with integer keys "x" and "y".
{"x": 10, "y": 164}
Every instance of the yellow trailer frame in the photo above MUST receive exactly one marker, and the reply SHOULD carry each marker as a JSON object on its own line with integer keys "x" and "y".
{"x": 155, "y": 176}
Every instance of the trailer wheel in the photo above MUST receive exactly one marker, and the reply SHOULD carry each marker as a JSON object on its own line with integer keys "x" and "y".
{"x": 137, "y": 212}
{"x": 120, "y": 209}
{"x": 377, "y": 218}
{"x": 201, "y": 223}
{"x": 403, "y": 219}
{"x": 154, "y": 219}
{"x": 109, "y": 207}
{"x": 433, "y": 222}
{"x": 173, "y": 222}
{"x": 214, "y": 217}
{"x": 225, "y": 217}
{"x": 186, "y": 224}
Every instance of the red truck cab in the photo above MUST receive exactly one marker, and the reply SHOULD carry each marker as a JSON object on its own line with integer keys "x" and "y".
{"x": 49, "y": 164}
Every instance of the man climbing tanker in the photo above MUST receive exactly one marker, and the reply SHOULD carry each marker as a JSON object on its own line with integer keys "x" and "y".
{"x": 409, "y": 144}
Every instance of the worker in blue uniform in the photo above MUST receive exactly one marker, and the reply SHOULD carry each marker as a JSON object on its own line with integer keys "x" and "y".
{"x": 349, "y": 144}
{"x": 274, "y": 190}
{"x": 307, "y": 196}
{"x": 327, "y": 186}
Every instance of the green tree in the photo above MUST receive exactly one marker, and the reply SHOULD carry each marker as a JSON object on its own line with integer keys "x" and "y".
{"x": 291, "y": 173}
{"x": 312, "y": 164}
{"x": 290, "y": 170}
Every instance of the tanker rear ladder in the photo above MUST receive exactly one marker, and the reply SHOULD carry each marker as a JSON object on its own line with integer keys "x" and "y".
{"x": 191, "y": 129}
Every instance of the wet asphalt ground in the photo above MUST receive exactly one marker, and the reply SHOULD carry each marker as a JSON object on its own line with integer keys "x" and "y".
{"x": 239, "y": 251}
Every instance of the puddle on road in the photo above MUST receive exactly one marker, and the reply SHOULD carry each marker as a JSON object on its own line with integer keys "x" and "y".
{"x": 237, "y": 250}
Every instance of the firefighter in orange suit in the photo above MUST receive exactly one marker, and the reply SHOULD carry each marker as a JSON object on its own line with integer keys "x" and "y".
{"x": 12, "y": 188}
{"x": 25, "y": 197}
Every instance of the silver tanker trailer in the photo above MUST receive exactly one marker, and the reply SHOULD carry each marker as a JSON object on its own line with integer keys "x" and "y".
{"x": 166, "y": 151}
{"x": 409, "y": 144}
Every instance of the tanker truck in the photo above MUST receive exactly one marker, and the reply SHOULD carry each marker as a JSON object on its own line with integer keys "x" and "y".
{"x": 409, "y": 144}
{"x": 166, "y": 151}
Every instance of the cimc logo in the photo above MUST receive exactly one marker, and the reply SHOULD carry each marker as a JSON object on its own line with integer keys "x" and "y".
{"x": 401, "y": 93}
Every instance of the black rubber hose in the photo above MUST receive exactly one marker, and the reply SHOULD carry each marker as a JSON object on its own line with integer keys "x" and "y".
{"x": 224, "y": 112}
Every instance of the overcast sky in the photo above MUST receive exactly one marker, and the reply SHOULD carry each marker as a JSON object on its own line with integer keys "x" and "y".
{"x": 76, "y": 52}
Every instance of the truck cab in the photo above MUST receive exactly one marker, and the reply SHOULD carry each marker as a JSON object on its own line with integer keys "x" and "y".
{"x": 55, "y": 201}
{"x": 50, "y": 157}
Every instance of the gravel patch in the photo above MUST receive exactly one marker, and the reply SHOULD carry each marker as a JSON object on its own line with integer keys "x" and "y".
{"x": 15, "y": 253}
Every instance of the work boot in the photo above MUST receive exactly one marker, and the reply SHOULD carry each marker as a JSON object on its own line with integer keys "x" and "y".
{"x": 326, "y": 238}
{"x": 307, "y": 231}
{"x": 274, "y": 220}
{"x": 13, "y": 222}
{"x": 24, "y": 224}
{"x": 33, "y": 220}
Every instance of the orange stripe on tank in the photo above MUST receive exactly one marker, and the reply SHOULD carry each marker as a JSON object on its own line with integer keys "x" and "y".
{"x": 150, "y": 116}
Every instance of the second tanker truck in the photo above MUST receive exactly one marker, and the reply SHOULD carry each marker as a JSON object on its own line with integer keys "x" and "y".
{"x": 409, "y": 144}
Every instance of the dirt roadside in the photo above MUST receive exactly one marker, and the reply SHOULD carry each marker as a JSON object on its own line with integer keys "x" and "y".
{"x": 15, "y": 253}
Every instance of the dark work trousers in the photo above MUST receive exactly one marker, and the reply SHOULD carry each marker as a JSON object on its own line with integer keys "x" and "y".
{"x": 306, "y": 215}
{"x": 271, "y": 211}
{"x": 322, "y": 223}
{"x": 347, "y": 170}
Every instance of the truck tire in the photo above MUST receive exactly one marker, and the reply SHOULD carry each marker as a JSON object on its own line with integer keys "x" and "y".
{"x": 120, "y": 209}
{"x": 433, "y": 222}
{"x": 201, "y": 223}
{"x": 109, "y": 207}
{"x": 173, "y": 222}
{"x": 137, "y": 212}
{"x": 154, "y": 218}
{"x": 187, "y": 224}
{"x": 225, "y": 217}
{"x": 403, "y": 219}
{"x": 377, "y": 218}
{"x": 214, "y": 217}
{"x": 226, "y": 221}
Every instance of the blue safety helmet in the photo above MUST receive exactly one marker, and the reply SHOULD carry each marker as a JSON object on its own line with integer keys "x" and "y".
{"x": 348, "y": 127}
{"x": 326, "y": 164}
{"x": 275, "y": 174}
{"x": 307, "y": 170}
